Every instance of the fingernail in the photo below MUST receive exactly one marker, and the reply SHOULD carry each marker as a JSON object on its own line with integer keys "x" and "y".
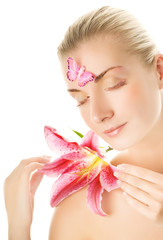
{"x": 117, "y": 174}
{"x": 120, "y": 167}
{"x": 47, "y": 157}
{"x": 119, "y": 182}
{"x": 125, "y": 194}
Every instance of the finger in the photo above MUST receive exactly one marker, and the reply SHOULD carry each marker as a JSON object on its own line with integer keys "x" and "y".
{"x": 25, "y": 162}
{"x": 138, "y": 194}
{"x": 35, "y": 181}
{"x": 46, "y": 156}
{"x": 28, "y": 169}
{"x": 150, "y": 188}
{"x": 141, "y": 172}
{"x": 140, "y": 207}
{"x": 40, "y": 159}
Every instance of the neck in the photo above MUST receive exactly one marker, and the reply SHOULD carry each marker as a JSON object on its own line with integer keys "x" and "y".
{"x": 148, "y": 152}
{"x": 149, "y": 158}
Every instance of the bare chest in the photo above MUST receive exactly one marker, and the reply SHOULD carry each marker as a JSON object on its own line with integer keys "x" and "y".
{"x": 122, "y": 223}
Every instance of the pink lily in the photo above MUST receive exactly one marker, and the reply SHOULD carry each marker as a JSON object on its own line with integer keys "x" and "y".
{"x": 78, "y": 166}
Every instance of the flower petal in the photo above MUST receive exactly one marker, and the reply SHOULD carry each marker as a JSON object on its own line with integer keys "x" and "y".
{"x": 57, "y": 166}
{"x": 69, "y": 183}
{"x": 59, "y": 144}
{"x": 107, "y": 179}
{"x": 94, "y": 196}
{"x": 75, "y": 166}
{"x": 91, "y": 140}
{"x": 54, "y": 168}
{"x": 82, "y": 153}
{"x": 65, "y": 186}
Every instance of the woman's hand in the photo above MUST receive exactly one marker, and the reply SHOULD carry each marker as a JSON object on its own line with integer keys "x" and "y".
{"x": 143, "y": 189}
{"x": 19, "y": 190}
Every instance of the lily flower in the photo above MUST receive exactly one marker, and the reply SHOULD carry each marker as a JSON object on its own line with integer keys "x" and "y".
{"x": 77, "y": 167}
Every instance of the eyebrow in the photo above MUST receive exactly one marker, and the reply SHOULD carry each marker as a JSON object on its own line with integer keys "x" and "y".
{"x": 97, "y": 78}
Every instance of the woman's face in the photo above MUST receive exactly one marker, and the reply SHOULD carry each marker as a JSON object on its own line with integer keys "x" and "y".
{"x": 128, "y": 93}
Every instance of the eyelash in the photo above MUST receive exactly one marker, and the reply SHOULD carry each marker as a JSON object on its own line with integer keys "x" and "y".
{"x": 121, "y": 83}
{"x": 82, "y": 102}
{"x": 115, "y": 87}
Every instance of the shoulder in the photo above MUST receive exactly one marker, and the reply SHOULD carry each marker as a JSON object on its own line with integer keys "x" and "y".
{"x": 120, "y": 158}
{"x": 69, "y": 217}
{"x": 72, "y": 216}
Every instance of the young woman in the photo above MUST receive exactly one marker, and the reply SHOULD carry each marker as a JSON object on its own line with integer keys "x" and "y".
{"x": 121, "y": 99}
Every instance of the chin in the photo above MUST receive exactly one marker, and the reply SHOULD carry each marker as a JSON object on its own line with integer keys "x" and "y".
{"x": 119, "y": 148}
{"x": 120, "y": 145}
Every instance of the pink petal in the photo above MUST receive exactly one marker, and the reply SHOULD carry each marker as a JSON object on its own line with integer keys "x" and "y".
{"x": 76, "y": 155}
{"x": 69, "y": 183}
{"x": 75, "y": 166}
{"x": 53, "y": 169}
{"x": 91, "y": 140}
{"x": 107, "y": 179}
{"x": 65, "y": 186}
{"x": 59, "y": 144}
{"x": 58, "y": 166}
{"x": 94, "y": 196}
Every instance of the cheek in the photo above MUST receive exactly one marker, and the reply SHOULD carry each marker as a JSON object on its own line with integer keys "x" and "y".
{"x": 140, "y": 101}
{"x": 127, "y": 103}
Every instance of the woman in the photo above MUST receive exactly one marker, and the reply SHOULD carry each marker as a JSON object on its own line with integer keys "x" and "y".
{"x": 114, "y": 71}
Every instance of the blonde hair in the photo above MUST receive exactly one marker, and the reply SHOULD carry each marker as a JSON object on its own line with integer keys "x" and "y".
{"x": 115, "y": 22}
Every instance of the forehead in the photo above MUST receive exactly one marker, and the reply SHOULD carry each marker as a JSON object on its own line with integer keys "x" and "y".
{"x": 99, "y": 54}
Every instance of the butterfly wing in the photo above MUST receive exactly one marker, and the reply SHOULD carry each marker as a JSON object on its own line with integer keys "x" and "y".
{"x": 84, "y": 78}
{"x": 73, "y": 69}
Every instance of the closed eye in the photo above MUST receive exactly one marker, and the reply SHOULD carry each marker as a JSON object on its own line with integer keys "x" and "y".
{"x": 82, "y": 102}
{"x": 121, "y": 83}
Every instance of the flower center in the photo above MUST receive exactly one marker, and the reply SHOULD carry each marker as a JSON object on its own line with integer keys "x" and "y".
{"x": 93, "y": 164}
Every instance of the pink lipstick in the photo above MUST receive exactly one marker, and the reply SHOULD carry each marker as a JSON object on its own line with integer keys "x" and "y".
{"x": 114, "y": 131}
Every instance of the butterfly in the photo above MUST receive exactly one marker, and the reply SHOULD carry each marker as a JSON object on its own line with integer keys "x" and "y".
{"x": 79, "y": 73}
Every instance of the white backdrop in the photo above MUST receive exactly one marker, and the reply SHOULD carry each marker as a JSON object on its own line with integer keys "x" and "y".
{"x": 32, "y": 90}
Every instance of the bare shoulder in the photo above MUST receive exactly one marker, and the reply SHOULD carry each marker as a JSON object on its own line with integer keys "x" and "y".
{"x": 70, "y": 217}
{"x": 120, "y": 158}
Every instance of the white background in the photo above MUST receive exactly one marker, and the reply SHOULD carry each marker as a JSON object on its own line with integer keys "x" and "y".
{"x": 32, "y": 90}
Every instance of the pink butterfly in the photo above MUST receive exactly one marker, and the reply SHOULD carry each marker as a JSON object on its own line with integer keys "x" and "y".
{"x": 79, "y": 73}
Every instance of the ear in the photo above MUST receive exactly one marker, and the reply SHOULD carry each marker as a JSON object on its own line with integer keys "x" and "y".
{"x": 159, "y": 68}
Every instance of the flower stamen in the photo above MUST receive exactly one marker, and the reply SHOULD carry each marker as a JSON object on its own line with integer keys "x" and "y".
{"x": 87, "y": 170}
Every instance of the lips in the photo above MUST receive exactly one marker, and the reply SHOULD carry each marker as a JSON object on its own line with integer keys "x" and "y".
{"x": 113, "y": 128}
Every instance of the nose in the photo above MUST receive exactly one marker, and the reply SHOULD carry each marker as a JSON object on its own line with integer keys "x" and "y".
{"x": 101, "y": 110}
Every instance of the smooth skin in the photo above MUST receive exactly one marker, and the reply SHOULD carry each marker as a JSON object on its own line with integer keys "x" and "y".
{"x": 143, "y": 190}
{"x": 19, "y": 191}
{"x": 139, "y": 103}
